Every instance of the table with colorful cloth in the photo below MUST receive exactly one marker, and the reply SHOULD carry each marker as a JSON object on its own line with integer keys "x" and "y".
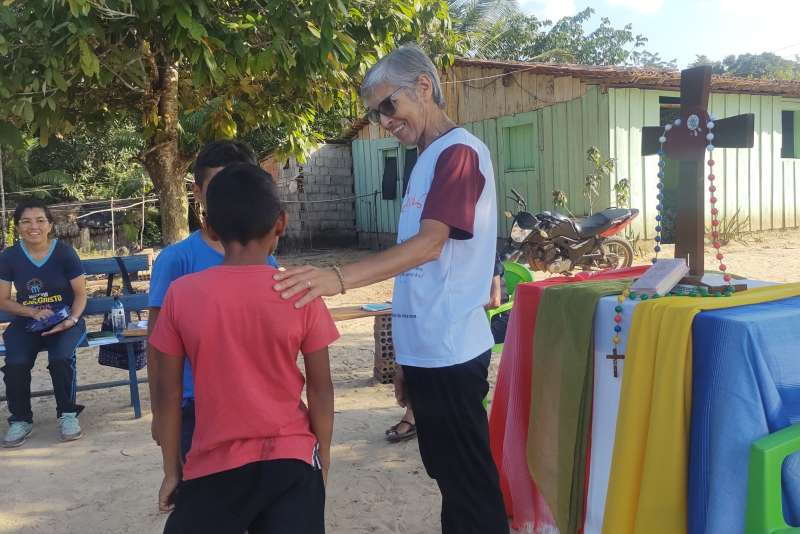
{"x": 582, "y": 450}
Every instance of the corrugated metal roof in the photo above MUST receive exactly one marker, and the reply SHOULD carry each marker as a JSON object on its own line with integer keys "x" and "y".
{"x": 615, "y": 76}
{"x": 645, "y": 78}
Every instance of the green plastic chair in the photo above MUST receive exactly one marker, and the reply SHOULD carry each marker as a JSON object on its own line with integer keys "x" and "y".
{"x": 515, "y": 274}
{"x": 764, "y": 492}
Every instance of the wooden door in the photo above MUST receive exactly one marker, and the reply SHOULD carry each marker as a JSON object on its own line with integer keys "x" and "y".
{"x": 518, "y": 162}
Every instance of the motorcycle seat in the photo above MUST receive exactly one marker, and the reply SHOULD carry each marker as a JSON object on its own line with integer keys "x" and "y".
{"x": 556, "y": 215}
{"x": 594, "y": 224}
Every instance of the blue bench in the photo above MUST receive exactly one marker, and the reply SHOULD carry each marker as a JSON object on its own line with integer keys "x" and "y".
{"x": 133, "y": 302}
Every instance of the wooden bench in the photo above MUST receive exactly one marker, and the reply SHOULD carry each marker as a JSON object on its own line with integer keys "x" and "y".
{"x": 135, "y": 302}
{"x": 347, "y": 313}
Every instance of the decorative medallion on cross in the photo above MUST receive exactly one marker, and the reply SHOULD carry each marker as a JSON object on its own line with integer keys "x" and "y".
{"x": 688, "y": 144}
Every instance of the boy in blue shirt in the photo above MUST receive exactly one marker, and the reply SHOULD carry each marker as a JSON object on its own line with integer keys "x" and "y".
{"x": 195, "y": 253}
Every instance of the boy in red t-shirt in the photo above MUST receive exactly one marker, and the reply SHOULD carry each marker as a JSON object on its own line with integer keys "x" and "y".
{"x": 259, "y": 456}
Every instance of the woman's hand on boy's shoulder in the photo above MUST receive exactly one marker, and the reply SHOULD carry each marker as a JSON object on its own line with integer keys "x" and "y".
{"x": 314, "y": 281}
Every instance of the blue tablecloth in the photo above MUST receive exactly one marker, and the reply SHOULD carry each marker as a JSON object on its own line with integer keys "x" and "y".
{"x": 746, "y": 384}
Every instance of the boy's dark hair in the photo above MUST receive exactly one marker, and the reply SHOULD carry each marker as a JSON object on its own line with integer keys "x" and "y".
{"x": 243, "y": 203}
{"x": 32, "y": 203}
{"x": 221, "y": 154}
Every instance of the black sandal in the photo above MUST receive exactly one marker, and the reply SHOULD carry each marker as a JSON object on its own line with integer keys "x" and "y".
{"x": 393, "y": 436}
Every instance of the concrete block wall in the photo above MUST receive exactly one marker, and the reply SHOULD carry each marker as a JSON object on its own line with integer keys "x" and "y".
{"x": 317, "y": 198}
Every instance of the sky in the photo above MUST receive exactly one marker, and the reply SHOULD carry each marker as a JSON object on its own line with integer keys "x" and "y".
{"x": 682, "y": 29}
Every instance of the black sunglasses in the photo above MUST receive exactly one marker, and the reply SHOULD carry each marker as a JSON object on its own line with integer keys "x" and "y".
{"x": 385, "y": 107}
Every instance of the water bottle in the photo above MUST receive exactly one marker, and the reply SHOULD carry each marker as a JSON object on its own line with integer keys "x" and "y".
{"x": 117, "y": 316}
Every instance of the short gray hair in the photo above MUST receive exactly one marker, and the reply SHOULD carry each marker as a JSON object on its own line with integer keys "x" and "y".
{"x": 402, "y": 68}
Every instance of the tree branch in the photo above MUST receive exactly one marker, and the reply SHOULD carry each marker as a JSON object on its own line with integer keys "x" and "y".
{"x": 108, "y": 13}
{"x": 121, "y": 79}
{"x": 152, "y": 149}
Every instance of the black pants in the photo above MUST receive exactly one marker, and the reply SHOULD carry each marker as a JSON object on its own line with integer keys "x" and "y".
{"x": 187, "y": 427}
{"x": 499, "y": 326}
{"x": 22, "y": 347}
{"x": 453, "y": 433}
{"x": 270, "y": 497}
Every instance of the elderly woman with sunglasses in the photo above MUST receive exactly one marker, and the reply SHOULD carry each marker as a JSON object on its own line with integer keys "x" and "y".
{"x": 443, "y": 270}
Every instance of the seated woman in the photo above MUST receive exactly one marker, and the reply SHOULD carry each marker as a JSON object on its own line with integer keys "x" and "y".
{"x": 49, "y": 279}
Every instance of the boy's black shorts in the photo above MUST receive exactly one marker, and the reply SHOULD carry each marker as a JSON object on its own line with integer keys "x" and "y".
{"x": 269, "y": 497}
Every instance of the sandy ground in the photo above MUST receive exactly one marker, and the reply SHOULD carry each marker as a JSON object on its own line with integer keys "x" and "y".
{"x": 107, "y": 482}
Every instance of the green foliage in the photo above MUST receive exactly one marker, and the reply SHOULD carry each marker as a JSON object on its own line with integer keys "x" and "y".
{"x": 242, "y": 64}
{"x": 733, "y": 228}
{"x": 560, "y": 199}
{"x": 132, "y": 226}
{"x": 101, "y": 162}
{"x": 622, "y": 192}
{"x": 10, "y": 136}
{"x": 327, "y": 125}
{"x": 523, "y": 37}
{"x": 602, "y": 170}
{"x": 766, "y": 65}
{"x": 192, "y": 71}
{"x": 645, "y": 58}
{"x": 21, "y": 174}
{"x": 470, "y": 16}
{"x": 11, "y": 232}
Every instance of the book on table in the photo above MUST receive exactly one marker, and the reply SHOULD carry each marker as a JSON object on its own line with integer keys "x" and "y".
{"x": 662, "y": 277}
{"x": 377, "y": 307}
{"x": 105, "y": 337}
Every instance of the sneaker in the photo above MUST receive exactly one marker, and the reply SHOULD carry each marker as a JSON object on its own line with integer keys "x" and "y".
{"x": 17, "y": 433}
{"x": 69, "y": 427}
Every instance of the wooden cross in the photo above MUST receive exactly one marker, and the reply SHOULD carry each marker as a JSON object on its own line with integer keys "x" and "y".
{"x": 689, "y": 147}
{"x": 615, "y": 357}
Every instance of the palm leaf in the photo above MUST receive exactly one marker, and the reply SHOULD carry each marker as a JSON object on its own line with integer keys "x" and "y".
{"x": 51, "y": 177}
{"x": 469, "y": 15}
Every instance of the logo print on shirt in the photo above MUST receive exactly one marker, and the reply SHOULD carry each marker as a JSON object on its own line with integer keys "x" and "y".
{"x": 34, "y": 286}
{"x": 414, "y": 202}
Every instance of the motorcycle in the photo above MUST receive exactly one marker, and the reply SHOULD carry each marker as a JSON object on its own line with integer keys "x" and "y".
{"x": 554, "y": 243}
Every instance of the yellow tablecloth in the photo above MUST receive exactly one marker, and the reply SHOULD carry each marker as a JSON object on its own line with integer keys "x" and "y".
{"x": 649, "y": 469}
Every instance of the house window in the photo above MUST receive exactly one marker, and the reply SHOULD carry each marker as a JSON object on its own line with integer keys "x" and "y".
{"x": 790, "y": 128}
{"x": 390, "y": 174}
{"x": 520, "y": 153}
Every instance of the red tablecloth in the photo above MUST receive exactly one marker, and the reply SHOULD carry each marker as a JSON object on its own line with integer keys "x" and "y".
{"x": 508, "y": 421}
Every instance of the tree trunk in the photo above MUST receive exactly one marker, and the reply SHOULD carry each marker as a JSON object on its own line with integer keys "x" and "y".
{"x": 162, "y": 159}
{"x": 3, "y": 227}
{"x": 169, "y": 182}
{"x": 174, "y": 209}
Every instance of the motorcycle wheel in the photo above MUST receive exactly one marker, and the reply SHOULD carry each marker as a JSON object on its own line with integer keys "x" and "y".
{"x": 617, "y": 253}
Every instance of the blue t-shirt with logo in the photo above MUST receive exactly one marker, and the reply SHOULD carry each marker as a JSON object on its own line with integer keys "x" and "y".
{"x": 45, "y": 283}
{"x": 191, "y": 255}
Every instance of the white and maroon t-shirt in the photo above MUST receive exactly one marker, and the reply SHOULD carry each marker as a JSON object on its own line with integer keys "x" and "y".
{"x": 437, "y": 308}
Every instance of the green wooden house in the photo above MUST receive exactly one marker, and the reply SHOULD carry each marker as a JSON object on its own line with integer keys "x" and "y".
{"x": 539, "y": 120}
